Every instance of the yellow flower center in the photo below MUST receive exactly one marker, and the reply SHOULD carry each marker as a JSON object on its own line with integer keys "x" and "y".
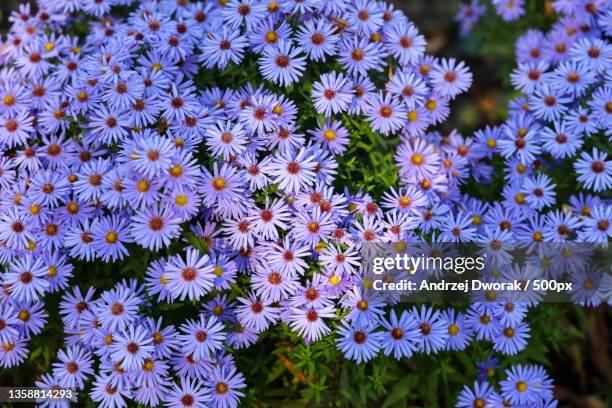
{"x": 111, "y": 237}
{"x": 8, "y": 100}
{"x": 417, "y": 159}
{"x": 181, "y": 200}
{"x": 175, "y": 171}
{"x": 329, "y": 135}
{"x": 72, "y": 208}
{"x": 143, "y": 186}
{"x": 219, "y": 183}
{"x": 31, "y": 245}
{"x": 148, "y": 365}
{"x": 271, "y": 36}
{"x": 218, "y": 271}
{"x": 24, "y": 315}
{"x": 334, "y": 280}
{"x": 35, "y": 209}
{"x": 400, "y": 246}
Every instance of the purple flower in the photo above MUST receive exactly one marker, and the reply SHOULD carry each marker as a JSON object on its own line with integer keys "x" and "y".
{"x": 332, "y": 94}
{"x": 282, "y": 64}
{"x": 359, "y": 343}
{"x": 74, "y": 367}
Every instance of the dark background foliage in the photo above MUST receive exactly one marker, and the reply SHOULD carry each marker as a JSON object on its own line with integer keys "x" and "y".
{"x": 281, "y": 371}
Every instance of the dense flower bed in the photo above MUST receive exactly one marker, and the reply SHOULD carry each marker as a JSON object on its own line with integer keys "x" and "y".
{"x": 208, "y": 136}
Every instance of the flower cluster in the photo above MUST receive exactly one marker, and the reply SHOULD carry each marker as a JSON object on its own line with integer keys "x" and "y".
{"x": 527, "y": 386}
{"x": 109, "y": 143}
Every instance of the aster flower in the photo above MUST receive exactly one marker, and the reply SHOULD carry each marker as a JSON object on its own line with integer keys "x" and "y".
{"x": 282, "y": 64}
{"x": 15, "y": 130}
{"x": 131, "y": 348}
{"x": 404, "y": 42}
{"x": 331, "y": 94}
{"x": 560, "y": 141}
{"x": 525, "y": 385}
{"x": 223, "y": 186}
{"x": 510, "y": 339}
{"x": 573, "y": 79}
{"x": 409, "y": 86}
{"x": 450, "y": 78}
{"x": 152, "y": 155}
{"x": 468, "y": 16}
{"x": 385, "y": 113}
{"x": 13, "y": 352}
{"x": 267, "y": 33}
{"x": 417, "y": 159}
{"x": 528, "y": 77}
{"x": 190, "y": 278}
{"x": 309, "y": 322}
{"x": 179, "y": 103}
{"x": 359, "y": 343}
{"x": 154, "y": 227}
{"x": 9, "y": 322}
{"x": 586, "y": 286}
{"x": 402, "y": 335}
{"x": 74, "y": 367}
{"x": 458, "y": 228}
{"x": 222, "y": 47}
{"x": 433, "y": 329}
{"x": 359, "y": 56}
{"x": 539, "y": 191}
{"x": 548, "y": 104}
{"x": 595, "y": 172}
{"x": 226, "y": 139}
{"x": 478, "y": 396}
{"x": 201, "y": 338}
{"x": 597, "y": 227}
{"x": 116, "y": 308}
{"x": 268, "y": 220}
{"x": 256, "y": 314}
{"x": 509, "y": 10}
{"x": 332, "y": 135}
{"x": 26, "y": 278}
{"x": 109, "y": 236}
{"x": 32, "y": 317}
{"x": 459, "y": 332}
{"x": 237, "y": 12}
{"x": 293, "y": 171}
{"x": 225, "y": 383}
{"x": 318, "y": 39}
{"x": 14, "y": 231}
{"x": 592, "y": 52}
